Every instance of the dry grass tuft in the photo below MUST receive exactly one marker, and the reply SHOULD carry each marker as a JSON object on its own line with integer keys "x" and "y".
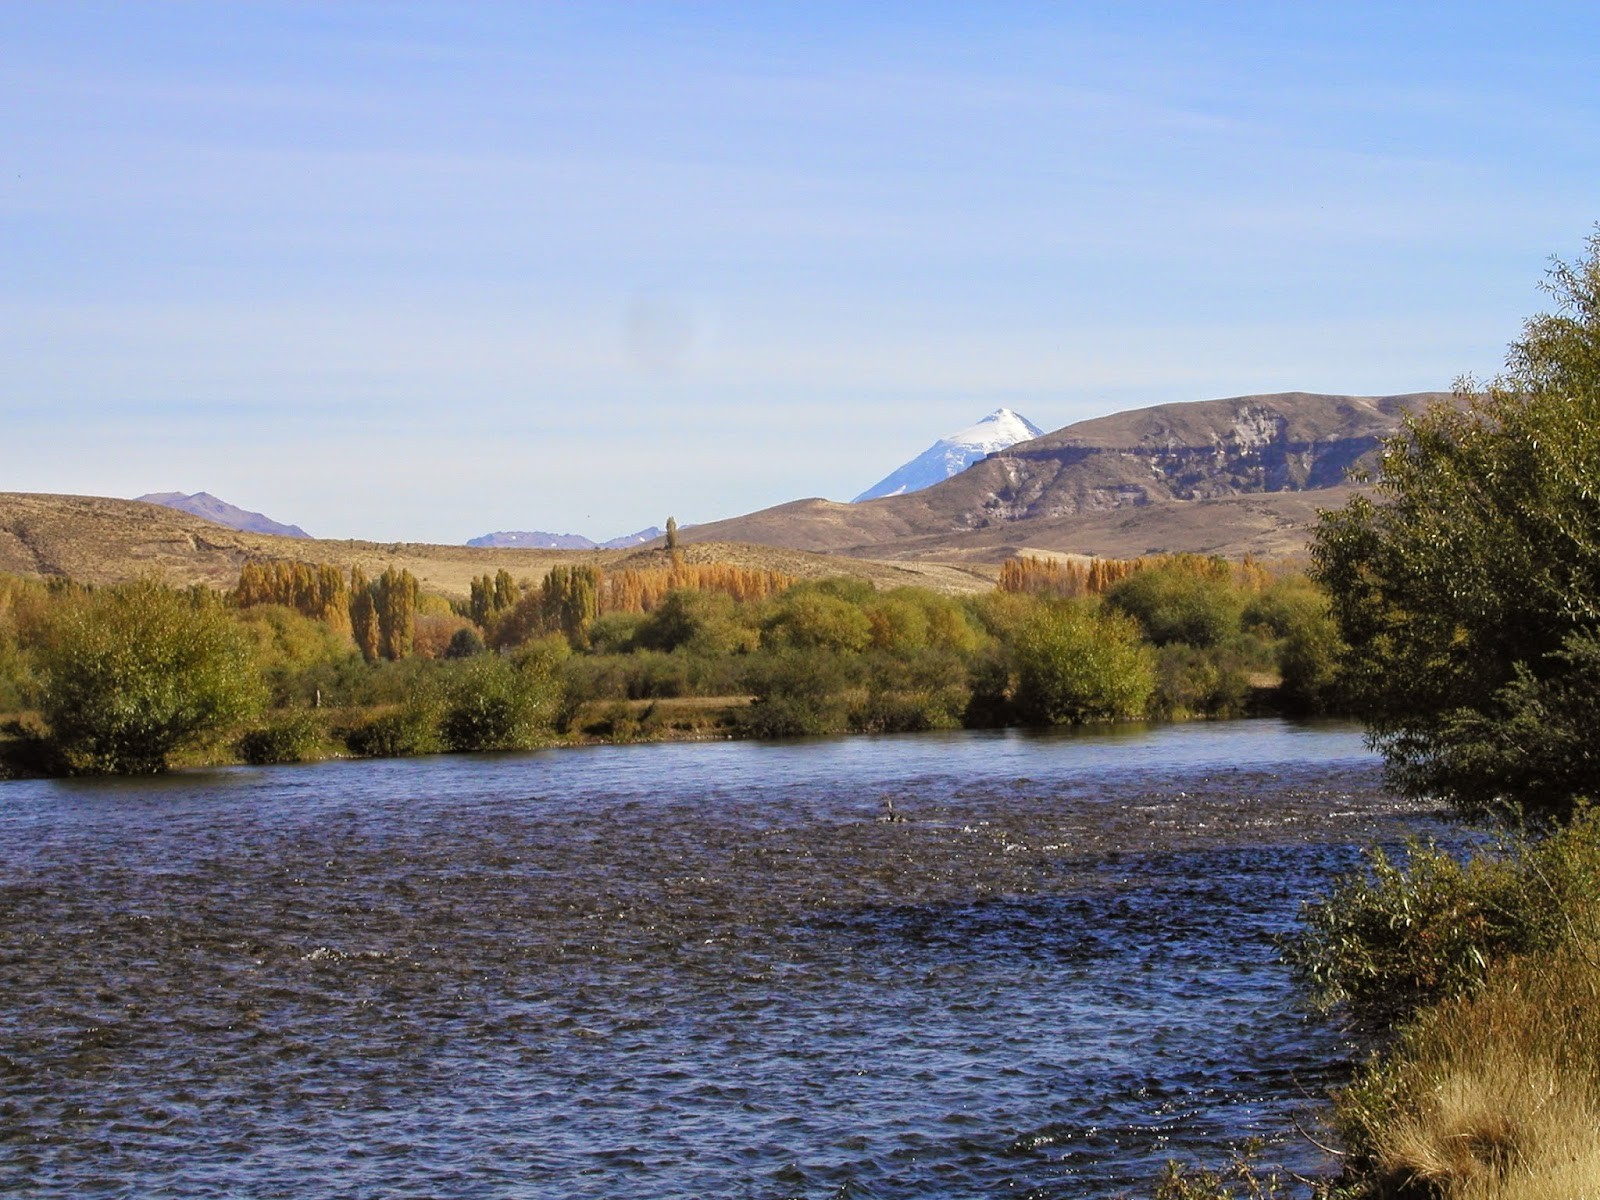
{"x": 1494, "y": 1095}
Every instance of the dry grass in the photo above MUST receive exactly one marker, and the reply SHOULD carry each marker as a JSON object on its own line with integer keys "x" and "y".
{"x": 1494, "y": 1095}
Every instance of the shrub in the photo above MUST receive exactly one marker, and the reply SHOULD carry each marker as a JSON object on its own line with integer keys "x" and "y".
{"x": 1532, "y": 746}
{"x": 897, "y": 623}
{"x": 406, "y": 731}
{"x": 613, "y": 633}
{"x": 495, "y": 704}
{"x": 1476, "y": 564}
{"x": 1195, "y": 682}
{"x": 705, "y": 623}
{"x": 809, "y": 618}
{"x": 1181, "y": 602}
{"x": 1074, "y": 665}
{"x": 797, "y": 694}
{"x": 464, "y": 643}
{"x": 295, "y": 652}
{"x": 1402, "y": 934}
{"x": 910, "y": 712}
{"x": 1241, "y": 1179}
{"x": 132, "y": 674}
{"x": 435, "y": 633}
{"x": 293, "y": 737}
{"x": 1298, "y": 615}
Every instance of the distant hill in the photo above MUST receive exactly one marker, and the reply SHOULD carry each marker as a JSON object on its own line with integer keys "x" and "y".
{"x": 534, "y": 539}
{"x": 1133, "y": 477}
{"x": 101, "y": 540}
{"x": 210, "y": 508}
{"x": 538, "y": 540}
{"x": 951, "y": 455}
{"x": 1239, "y": 476}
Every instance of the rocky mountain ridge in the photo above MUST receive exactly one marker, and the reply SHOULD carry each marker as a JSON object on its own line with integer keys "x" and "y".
{"x": 1277, "y": 445}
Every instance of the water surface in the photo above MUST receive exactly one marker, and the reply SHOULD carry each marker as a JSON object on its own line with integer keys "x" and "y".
{"x": 675, "y": 970}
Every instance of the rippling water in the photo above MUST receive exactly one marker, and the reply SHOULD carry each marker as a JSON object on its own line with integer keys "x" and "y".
{"x": 674, "y": 970}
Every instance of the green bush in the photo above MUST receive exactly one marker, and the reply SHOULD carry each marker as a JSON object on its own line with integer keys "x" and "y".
{"x": 810, "y": 618}
{"x": 705, "y": 624}
{"x": 402, "y": 733}
{"x": 16, "y": 673}
{"x": 1241, "y": 1179}
{"x": 1075, "y": 665}
{"x": 1298, "y": 616}
{"x": 1192, "y": 682}
{"x": 1399, "y": 935}
{"x": 1181, "y": 603}
{"x": 1478, "y": 560}
{"x": 297, "y": 655}
{"x": 614, "y": 633}
{"x": 293, "y": 737}
{"x": 1529, "y": 754}
{"x": 798, "y": 694}
{"x": 464, "y": 643}
{"x": 910, "y": 711}
{"x": 132, "y": 674}
{"x": 496, "y": 704}
{"x": 26, "y": 751}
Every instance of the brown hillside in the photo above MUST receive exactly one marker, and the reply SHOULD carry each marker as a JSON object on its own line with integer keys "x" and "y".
{"x": 1285, "y": 445}
{"x": 97, "y": 539}
{"x": 1267, "y": 525}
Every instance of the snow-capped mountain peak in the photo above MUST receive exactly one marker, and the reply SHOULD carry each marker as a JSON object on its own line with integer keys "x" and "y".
{"x": 954, "y": 454}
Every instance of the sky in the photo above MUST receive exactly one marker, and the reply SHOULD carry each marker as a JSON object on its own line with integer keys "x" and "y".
{"x": 422, "y": 271}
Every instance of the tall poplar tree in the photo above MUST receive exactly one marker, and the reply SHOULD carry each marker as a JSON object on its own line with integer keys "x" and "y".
{"x": 395, "y": 596}
{"x": 363, "y": 615}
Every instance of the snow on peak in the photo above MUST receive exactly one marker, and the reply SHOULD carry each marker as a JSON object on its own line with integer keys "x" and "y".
{"x": 1000, "y": 429}
{"x": 952, "y": 455}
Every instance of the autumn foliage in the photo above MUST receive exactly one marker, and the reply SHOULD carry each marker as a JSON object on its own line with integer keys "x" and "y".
{"x": 380, "y": 616}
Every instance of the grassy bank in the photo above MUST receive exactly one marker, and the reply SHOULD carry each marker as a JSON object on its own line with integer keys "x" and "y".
{"x": 1488, "y": 970}
{"x": 1479, "y": 977}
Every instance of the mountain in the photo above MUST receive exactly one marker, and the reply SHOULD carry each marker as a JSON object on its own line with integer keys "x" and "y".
{"x": 208, "y": 507}
{"x": 536, "y": 540}
{"x": 952, "y": 455}
{"x": 629, "y": 540}
{"x": 532, "y": 540}
{"x": 1247, "y": 462}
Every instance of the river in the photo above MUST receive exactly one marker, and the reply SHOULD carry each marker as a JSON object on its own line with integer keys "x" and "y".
{"x": 664, "y": 971}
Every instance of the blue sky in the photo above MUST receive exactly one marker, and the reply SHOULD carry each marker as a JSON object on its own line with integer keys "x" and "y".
{"x": 421, "y": 271}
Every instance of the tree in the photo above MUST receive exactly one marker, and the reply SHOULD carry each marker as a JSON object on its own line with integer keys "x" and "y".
{"x": 132, "y": 674}
{"x": 570, "y": 600}
{"x": 1469, "y": 593}
{"x": 395, "y": 596}
{"x": 363, "y": 615}
{"x": 1075, "y": 665}
{"x": 505, "y": 590}
{"x": 672, "y": 534}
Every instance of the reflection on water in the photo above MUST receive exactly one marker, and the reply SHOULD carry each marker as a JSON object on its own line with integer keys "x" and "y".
{"x": 674, "y": 971}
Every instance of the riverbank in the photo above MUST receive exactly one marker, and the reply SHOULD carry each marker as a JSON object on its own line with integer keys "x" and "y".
{"x": 317, "y": 735}
{"x": 322, "y": 733}
{"x": 1487, "y": 971}
{"x": 1479, "y": 977}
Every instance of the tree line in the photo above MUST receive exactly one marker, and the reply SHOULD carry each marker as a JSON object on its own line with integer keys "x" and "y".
{"x": 333, "y": 661}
